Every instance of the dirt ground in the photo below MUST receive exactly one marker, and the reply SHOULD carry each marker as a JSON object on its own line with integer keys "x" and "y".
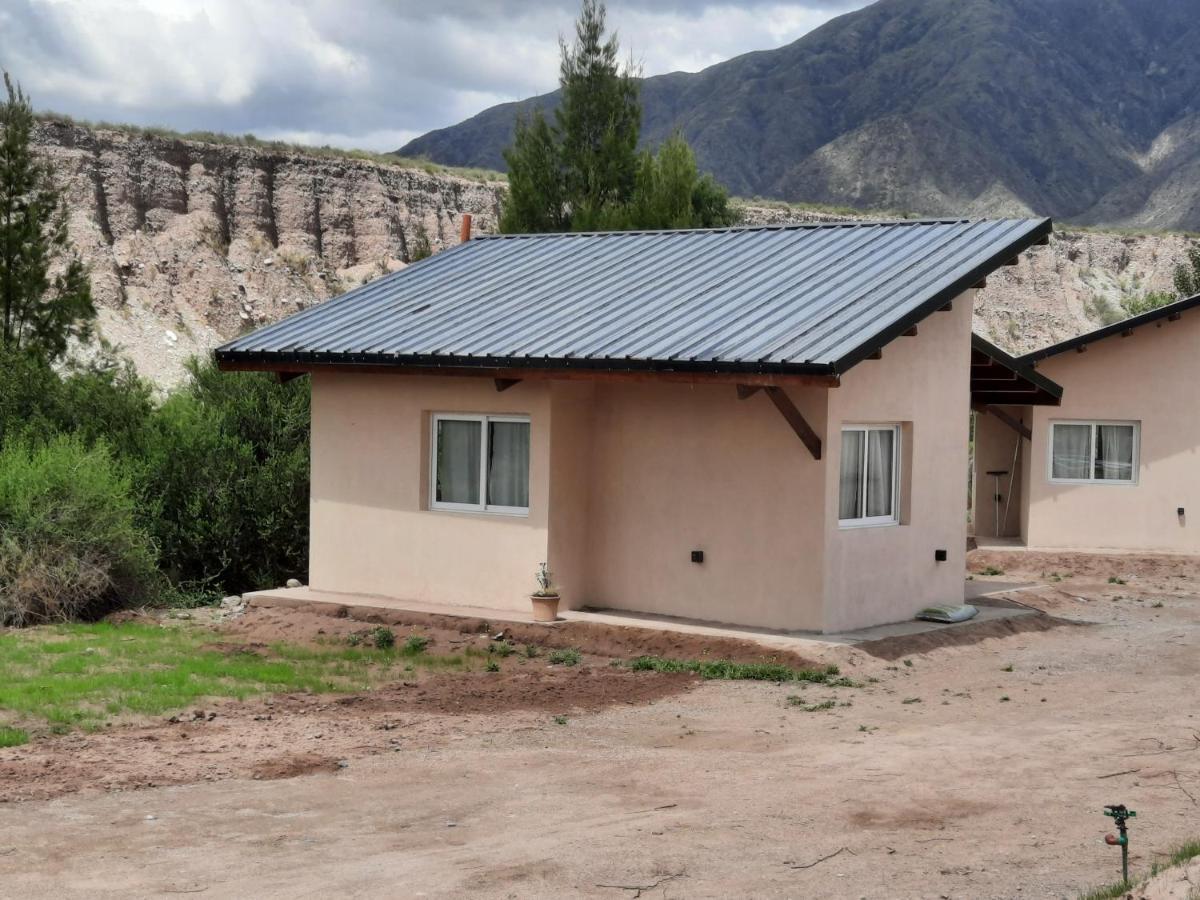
{"x": 959, "y": 769}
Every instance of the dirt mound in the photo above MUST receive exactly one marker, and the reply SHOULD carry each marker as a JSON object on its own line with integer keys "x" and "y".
{"x": 268, "y": 624}
{"x": 292, "y": 766}
{"x": 957, "y": 636}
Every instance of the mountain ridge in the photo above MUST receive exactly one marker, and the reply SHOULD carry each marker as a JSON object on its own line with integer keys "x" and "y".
{"x": 994, "y": 107}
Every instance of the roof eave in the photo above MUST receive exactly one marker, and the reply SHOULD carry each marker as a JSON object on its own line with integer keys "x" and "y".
{"x": 1155, "y": 315}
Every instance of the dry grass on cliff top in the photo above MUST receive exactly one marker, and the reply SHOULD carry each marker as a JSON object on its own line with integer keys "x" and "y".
{"x": 257, "y": 143}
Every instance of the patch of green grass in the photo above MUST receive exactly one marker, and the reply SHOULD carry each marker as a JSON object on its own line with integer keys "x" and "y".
{"x": 568, "y": 657}
{"x": 1113, "y": 579}
{"x": 1005, "y": 698}
{"x": 560, "y": 720}
{"x": 909, "y": 700}
{"x": 1007, "y": 668}
{"x": 798, "y": 701}
{"x": 991, "y": 570}
{"x": 502, "y": 648}
{"x": 383, "y": 638}
{"x": 415, "y": 643}
{"x": 908, "y": 662}
{"x": 1157, "y": 604}
{"x": 13, "y": 737}
{"x": 731, "y": 671}
{"x": 492, "y": 666}
{"x": 85, "y": 675}
{"x": 531, "y": 651}
{"x": 1177, "y": 857}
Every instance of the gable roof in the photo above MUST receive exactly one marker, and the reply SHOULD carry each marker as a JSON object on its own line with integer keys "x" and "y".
{"x": 998, "y": 379}
{"x": 1170, "y": 311}
{"x": 801, "y": 299}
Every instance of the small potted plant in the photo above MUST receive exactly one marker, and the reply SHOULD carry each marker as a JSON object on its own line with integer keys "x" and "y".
{"x": 545, "y": 598}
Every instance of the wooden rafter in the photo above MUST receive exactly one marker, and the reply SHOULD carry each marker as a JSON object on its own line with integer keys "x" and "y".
{"x": 1015, "y": 424}
{"x": 745, "y": 391}
{"x": 503, "y": 384}
{"x": 799, "y": 424}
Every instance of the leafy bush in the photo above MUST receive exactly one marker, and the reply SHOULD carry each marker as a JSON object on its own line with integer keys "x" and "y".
{"x": 70, "y": 545}
{"x": 383, "y": 638}
{"x": 568, "y": 657}
{"x": 224, "y": 481}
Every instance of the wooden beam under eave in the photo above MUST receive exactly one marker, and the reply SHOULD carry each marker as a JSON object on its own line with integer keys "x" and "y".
{"x": 285, "y": 377}
{"x": 799, "y": 424}
{"x": 1015, "y": 424}
{"x": 949, "y": 307}
{"x": 980, "y": 284}
{"x": 912, "y": 332}
{"x": 543, "y": 374}
{"x": 503, "y": 384}
{"x": 745, "y": 391}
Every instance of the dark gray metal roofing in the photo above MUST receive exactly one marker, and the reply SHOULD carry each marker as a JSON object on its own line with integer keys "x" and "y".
{"x": 812, "y": 298}
{"x": 1169, "y": 311}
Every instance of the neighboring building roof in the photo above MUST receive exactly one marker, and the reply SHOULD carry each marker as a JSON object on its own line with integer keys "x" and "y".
{"x": 803, "y": 299}
{"x": 998, "y": 379}
{"x": 1171, "y": 312}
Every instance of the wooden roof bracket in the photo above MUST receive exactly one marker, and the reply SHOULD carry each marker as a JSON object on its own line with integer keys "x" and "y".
{"x": 503, "y": 384}
{"x": 746, "y": 391}
{"x": 1015, "y": 424}
{"x": 799, "y": 424}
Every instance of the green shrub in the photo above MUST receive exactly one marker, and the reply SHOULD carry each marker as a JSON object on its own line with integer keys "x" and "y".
{"x": 567, "y": 657}
{"x": 415, "y": 644}
{"x": 224, "y": 481}
{"x": 383, "y": 638}
{"x": 70, "y": 545}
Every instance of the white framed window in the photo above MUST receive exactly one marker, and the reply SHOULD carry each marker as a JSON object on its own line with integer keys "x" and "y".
{"x": 480, "y": 463}
{"x": 1086, "y": 452}
{"x": 869, "y": 489}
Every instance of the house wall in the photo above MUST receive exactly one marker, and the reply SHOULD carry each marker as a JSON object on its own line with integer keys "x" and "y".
{"x": 995, "y": 444}
{"x": 1150, "y": 377}
{"x": 372, "y": 529}
{"x": 888, "y": 573}
{"x": 677, "y": 468}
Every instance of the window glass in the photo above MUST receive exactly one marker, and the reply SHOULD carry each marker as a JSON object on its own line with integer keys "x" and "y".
{"x": 850, "y": 494}
{"x": 508, "y": 464}
{"x": 458, "y": 450}
{"x": 1072, "y": 451}
{"x": 1114, "y": 453}
{"x": 880, "y": 463}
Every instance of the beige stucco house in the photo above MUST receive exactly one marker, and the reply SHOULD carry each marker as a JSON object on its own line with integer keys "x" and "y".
{"x": 760, "y": 426}
{"x": 1117, "y": 465}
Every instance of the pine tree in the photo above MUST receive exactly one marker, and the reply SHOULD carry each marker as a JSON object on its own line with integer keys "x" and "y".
{"x": 584, "y": 172}
{"x": 45, "y": 298}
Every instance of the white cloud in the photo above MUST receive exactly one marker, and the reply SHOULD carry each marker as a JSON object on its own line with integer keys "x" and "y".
{"x": 372, "y": 73}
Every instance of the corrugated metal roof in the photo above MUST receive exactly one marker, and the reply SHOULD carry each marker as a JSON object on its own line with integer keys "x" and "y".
{"x": 803, "y": 299}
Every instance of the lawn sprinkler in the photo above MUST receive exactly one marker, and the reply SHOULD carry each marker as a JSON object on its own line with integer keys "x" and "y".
{"x": 1119, "y": 814}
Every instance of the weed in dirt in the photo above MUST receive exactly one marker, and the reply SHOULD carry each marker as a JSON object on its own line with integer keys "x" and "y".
{"x": 415, "y": 643}
{"x": 1007, "y": 668}
{"x": 502, "y": 649}
{"x": 798, "y": 702}
{"x": 908, "y": 662}
{"x": 1055, "y": 577}
{"x": 991, "y": 570}
{"x": 383, "y": 638}
{"x": 492, "y": 666}
{"x": 908, "y": 700}
{"x": 867, "y": 729}
{"x": 568, "y": 657}
{"x": 560, "y": 720}
{"x": 13, "y": 737}
{"x": 1158, "y": 604}
{"x": 531, "y": 651}
{"x": 54, "y": 678}
{"x": 1005, "y": 698}
{"x": 1113, "y": 579}
{"x": 731, "y": 671}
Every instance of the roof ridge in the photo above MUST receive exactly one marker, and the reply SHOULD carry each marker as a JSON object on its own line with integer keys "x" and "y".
{"x": 782, "y": 226}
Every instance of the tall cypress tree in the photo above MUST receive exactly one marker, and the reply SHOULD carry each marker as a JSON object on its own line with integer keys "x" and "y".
{"x": 39, "y": 311}
{"x": 584, "y": 172}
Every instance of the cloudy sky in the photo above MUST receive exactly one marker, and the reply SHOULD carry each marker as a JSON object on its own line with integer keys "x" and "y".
{"x": 351, "y": 73}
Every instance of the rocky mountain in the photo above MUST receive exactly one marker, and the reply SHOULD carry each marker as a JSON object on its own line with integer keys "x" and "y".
{"x": 190, "y": 242}
{"x": 1085, "y": 110}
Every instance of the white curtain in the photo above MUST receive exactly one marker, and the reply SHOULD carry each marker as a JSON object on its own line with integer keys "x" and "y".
{"x": 1072, "y": 451}
{"x": 880, "y": 460}
{"x": 458, "y": 450}
{"x": 1114, "y": 452}
{"x": 850, "y": 493}
{"x": 508, "y": 464}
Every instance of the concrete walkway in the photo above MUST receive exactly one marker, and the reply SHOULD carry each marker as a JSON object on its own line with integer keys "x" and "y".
{"x": 362, "y": 606}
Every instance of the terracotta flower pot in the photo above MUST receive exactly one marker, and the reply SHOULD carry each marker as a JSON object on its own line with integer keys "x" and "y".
{"x": 545, "y": 607}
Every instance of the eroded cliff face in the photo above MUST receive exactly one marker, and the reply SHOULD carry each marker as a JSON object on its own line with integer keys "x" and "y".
{"x": 191, "y": 243}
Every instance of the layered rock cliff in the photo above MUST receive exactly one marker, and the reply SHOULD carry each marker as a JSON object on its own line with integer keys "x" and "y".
{"x": 189, "y": 243}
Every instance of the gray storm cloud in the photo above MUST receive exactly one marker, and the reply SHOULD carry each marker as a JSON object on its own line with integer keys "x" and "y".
{"x": 368, "y": 73}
